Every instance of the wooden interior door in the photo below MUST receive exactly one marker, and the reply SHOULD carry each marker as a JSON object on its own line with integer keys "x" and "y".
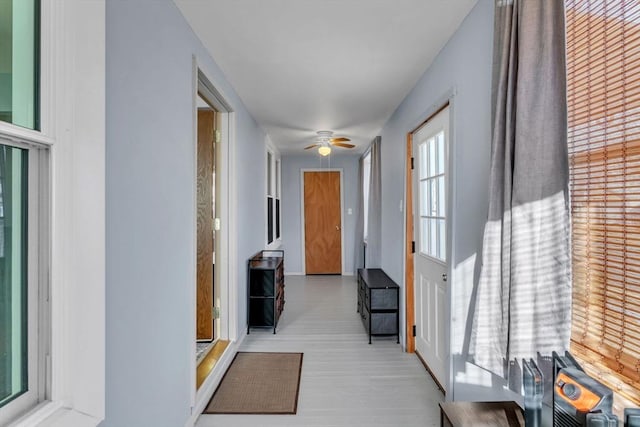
{"x": 205, "y": 253}
{"x": 322, "y": 223}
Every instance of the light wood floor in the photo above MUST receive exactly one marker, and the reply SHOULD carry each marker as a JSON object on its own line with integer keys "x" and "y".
{"x": 345, "y": 381}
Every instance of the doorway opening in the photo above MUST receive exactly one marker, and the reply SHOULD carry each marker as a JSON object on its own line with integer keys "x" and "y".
{"x": 207, "y": 299}
{"x": 214, "y": 300}
{"x": 428, "y": 243}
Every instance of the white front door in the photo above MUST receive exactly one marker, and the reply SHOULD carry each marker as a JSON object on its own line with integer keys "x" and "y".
{"x": 430, "y": 183}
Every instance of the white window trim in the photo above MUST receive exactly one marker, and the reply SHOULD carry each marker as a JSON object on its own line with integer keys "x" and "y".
{"x": 275, "y": 159}
{"x": 366, "y": 194}
{"x": 73, "y": 75}
{"x": 37, "y": 280}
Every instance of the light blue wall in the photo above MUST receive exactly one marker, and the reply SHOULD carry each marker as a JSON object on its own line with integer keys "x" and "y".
{"x": 291, "y": 207}
{"x": 150, "y": 209}
{"x": 462, "y": 68}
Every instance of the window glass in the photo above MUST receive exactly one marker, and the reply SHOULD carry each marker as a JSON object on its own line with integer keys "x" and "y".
{"x": 366, "y": 177}
{"x": 274, "y": 183}
{"x": 269, "y": 219}
{"x": 441, "y": 197}
{"x": 432, "y": 157}
{"x": 277, "y": 218}
{"x": 277, "y": 179}
{"x": 269, "y": 174}
{"x": 441, "y": 153}
{"x": 424, "y": 235}
{"x": 424, "y": 172}
{"x": 433, "y": 237}
{"x": 432, "y": 196}
{"x": 19, "y": 62}
{"x": 13, "y": 273}
{"x": 442, "y": 239}
{"x": 424, "y": 198}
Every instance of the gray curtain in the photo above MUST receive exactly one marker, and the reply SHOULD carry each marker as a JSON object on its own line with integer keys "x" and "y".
{"x": 523, "y": 301}
{"x": 374, "y": 239}
{"x": 358, "y": 256}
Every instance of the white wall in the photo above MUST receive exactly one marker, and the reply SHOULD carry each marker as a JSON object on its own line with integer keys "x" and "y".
{"x": 291, "y": 211}
{"x": 150, "y": 249}
{"x": 462, "y": 68}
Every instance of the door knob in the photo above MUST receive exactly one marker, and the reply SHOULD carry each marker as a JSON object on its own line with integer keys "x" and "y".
{"x": 338, "y": 227}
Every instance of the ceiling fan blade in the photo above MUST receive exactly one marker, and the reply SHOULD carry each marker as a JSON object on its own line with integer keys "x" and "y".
{"x": 342, "y": 144}
{"x": 339, "y": 139}
{"x": 311, "y": 146}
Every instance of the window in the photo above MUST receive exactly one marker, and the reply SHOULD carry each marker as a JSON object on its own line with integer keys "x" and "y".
{"x": 273, "y": 197}
{"x": 13, "y": 275}
{"x": 603, "y": 69}
{"x": 431, "y": 157}
{"x": 366, "y": 180}
{"x": 19, "y": 47}
{"x": 277, "y": 213}
{"x": 24, "y": 241}
{"x": 23, "y": 320}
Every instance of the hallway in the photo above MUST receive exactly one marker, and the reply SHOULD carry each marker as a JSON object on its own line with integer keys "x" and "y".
{"x": 345, "y": 381}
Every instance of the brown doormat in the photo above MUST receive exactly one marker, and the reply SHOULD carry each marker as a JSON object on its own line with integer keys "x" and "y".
{"x": 259, "y": 383}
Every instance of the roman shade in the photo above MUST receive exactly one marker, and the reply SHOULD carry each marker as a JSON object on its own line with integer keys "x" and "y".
{"x": 603, "y": 87}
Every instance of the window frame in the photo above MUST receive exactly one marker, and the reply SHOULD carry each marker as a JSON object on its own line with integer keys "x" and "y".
{"x": 73, "y": 260}
{"x": 440, "y": 215}
{"x": 366, "y": 194}
{"x": 38, "y": 284}
{"x": 38, "y": 252}
{"x": 36, "y": 93}
{"x": 273, "y": 199}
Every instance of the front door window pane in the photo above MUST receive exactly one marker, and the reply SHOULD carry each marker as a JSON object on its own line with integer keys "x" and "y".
{"x": 432, "y": 196}
{"x": 13, "y": 273}
{"x": 441, "y": 153}
{"x": 19, "y": 62}
{"x": 432, "y": 157}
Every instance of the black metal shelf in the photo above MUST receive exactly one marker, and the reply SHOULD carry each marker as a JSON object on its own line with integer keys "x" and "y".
{"x": 265, "y": 289}
{"x": 378, "y": 303}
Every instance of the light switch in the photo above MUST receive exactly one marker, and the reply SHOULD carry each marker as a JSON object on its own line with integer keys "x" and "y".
{"x": 349, "y": 211}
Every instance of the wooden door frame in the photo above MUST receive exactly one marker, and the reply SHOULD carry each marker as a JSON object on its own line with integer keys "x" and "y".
{"x": 410, "y": 308}
{"x": 302, "y": 216}
{"x": 410, "y": 304}
{"x": 227, "y": 256}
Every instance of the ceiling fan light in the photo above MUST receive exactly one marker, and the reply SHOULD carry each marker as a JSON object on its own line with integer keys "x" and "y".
{"x": 324, "y": 150}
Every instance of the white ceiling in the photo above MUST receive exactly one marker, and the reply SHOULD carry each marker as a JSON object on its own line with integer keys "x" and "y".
{"x": 301, "y": 66}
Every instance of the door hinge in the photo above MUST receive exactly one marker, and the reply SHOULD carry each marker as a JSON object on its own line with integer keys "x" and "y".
{"x": 413, "y": 247}
{"x": 216, "y": 312}
{"x": 412, "y": 163}
{"x": 414, "y": 330}
{"x": 218, "y": 136}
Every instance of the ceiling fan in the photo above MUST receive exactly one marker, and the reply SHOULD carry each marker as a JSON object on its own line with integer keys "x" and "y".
{"x": 325, "y": 140}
